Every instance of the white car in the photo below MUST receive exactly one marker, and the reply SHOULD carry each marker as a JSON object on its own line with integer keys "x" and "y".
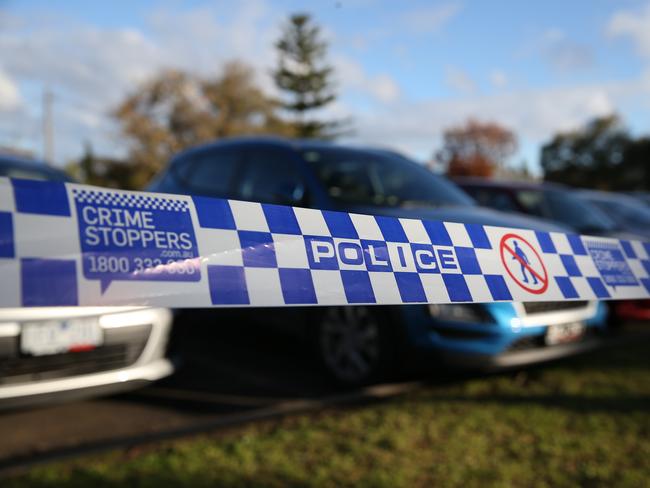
{"x": 52, "y": 354}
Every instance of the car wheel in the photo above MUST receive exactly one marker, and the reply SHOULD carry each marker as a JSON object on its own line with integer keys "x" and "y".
{"x": 355, "y": 345}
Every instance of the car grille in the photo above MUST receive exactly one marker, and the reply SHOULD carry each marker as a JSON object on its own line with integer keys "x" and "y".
{"x": 543, "y": 307}
{"x": 122, "y": 348}
{"x": 526, "y": 343}
{"x": 537, "y": 341}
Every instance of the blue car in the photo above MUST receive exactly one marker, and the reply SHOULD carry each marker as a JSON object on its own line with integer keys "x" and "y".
{"x": 629, "y": 213}
{"x": 362, "y": 344}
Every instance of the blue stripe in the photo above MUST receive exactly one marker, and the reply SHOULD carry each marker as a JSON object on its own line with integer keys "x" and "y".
{"x": 578, "y": 248}
{"x": 227, "y": 285}
{"x": 214, "y": 213}
{"x": 498, "y": 287}
{"x": 281, "y": 220}
{"x": 48, "y": 282}
{"x": 41, "y": 197}
{"x": 566, "y": 287}
{"x": 391, "y": 229}
{"x": 357, "y": 287}
{"x": 7, "y": 249}
{"x": 340, "y": 224}
{"x": 545, "y": 242}
{"x": 478, "y": 236}
{"x": 410, "y": 287}
{"x": 457, "y": 288}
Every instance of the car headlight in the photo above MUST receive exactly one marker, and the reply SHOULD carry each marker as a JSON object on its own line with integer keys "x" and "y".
{"x": 461, "y": 312}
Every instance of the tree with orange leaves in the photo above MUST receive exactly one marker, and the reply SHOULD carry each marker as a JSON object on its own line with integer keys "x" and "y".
{"x": 476, "y": 148}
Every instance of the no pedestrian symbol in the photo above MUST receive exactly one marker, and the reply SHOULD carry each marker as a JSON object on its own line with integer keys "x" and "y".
{"x": 523, "y": 263}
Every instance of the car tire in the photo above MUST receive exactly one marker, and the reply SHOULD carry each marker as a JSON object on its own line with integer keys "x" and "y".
{"x": 355, "y": 345}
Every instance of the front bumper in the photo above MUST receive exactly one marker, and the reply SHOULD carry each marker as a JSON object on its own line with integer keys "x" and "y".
{"x": 133, "y": 353}
{"x": 516, "y": 359}
{"x": 79, "y": 387}
{"x": 511, "y": 334}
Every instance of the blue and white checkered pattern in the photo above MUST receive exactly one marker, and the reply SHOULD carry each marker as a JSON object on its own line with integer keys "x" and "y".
{"x": 254, "y": 254}
{"x": 110, "y": 198}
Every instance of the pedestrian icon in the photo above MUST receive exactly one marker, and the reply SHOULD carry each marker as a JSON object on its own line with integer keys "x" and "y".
{"x": 523, "y": 263}
{"x": 523, "y": 260}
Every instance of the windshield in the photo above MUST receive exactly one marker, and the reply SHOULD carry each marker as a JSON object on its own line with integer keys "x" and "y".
{"x": 566, "y": 209}
{"x": 627, "y": 212}
{"x": 581, "y": 215}
{"x": 379, "y": 179}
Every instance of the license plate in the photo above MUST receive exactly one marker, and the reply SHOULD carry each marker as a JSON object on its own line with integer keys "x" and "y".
{"x": 60, "y": 336}
{"x": 563, "y": 333}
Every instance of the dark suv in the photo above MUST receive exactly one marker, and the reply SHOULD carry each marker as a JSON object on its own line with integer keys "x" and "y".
{"x": 357, "y": 344}
{"x": 544, "y": 200}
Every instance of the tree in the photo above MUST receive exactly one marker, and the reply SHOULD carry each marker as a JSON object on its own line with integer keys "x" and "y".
{"x": 159, "y": 119}
{"x": 238, "y": 106}
{"x": 106, "y": 172}
{"x": 176, "y": 110}
{"x": 476, "y": 148}
{"x": 305, "y": 77}
{"x": 600, "y": 155}
{"x": 636, "y": 157}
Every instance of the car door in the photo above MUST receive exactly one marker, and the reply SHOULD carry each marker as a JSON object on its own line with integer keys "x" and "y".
{"x": 272, "y": 174}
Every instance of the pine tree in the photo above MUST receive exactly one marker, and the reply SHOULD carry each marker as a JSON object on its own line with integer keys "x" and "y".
{"x": 304, "y": 75}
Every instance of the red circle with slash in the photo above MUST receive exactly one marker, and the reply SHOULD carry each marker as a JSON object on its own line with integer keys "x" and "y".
{"x": 523, "y": 260}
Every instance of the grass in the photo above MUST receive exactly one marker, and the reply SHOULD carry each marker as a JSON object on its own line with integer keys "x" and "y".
{"x": 583, "y": 422}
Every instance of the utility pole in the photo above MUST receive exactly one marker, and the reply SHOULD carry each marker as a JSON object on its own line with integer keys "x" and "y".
{"x": 48, "y": 129}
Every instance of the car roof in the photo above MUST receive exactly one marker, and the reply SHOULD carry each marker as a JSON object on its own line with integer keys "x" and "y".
{"x": 31, "y": 164}
{"x": 510, "y": 185}
{"x": 294, "y": 144}
{"x": 606, "y": 195}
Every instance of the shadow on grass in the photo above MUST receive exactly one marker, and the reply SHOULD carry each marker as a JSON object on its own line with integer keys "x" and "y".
{"x": 163, "y": 478}
{"x": 575, "y": 403}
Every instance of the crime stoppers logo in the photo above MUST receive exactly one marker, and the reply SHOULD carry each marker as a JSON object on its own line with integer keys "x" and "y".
{"x": 128, "y": 236}
{"x": 523, "y": 263}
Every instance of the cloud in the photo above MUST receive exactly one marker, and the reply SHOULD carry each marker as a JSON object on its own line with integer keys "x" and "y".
{"x": 565, "y": 55}
{"x": 459, "y": 81}
{"x": 90, "y": 68}
{"x": 9, "y": 94}
{"x": 384, "y": 88}
{"x": 633, "y": 25}
{"x": 352, "y": 77}
{"x": 430, "y": 19}
{"x": 561, "y": 53}
{"x": 498, "y": 78}
{"x": 95, "y": 67}
{"x": 533, "y": 114}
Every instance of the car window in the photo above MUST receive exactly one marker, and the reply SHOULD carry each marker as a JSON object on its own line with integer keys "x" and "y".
{"x": 32, "y": 173}
{"x": 494, "y": 198}
{"x": 624, "y": 211}
{"x": 26, "y": 174}
{"x": 270, "y": 175}
{"x": 533, "y": 202}
{"x": 380, "y": 179}
{"x": 210, "y": 171}
{"x": 576, "y": 213}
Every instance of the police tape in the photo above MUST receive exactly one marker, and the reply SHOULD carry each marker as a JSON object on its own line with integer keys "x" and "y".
{"x": 64, "y": 244}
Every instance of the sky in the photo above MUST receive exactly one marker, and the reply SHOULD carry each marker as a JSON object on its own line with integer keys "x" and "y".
{"x": 405, "y": 71}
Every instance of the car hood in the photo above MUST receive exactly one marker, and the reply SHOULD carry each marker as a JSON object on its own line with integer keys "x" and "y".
{"x": 463, "y": 215}
{"x": 629, "y": 235}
